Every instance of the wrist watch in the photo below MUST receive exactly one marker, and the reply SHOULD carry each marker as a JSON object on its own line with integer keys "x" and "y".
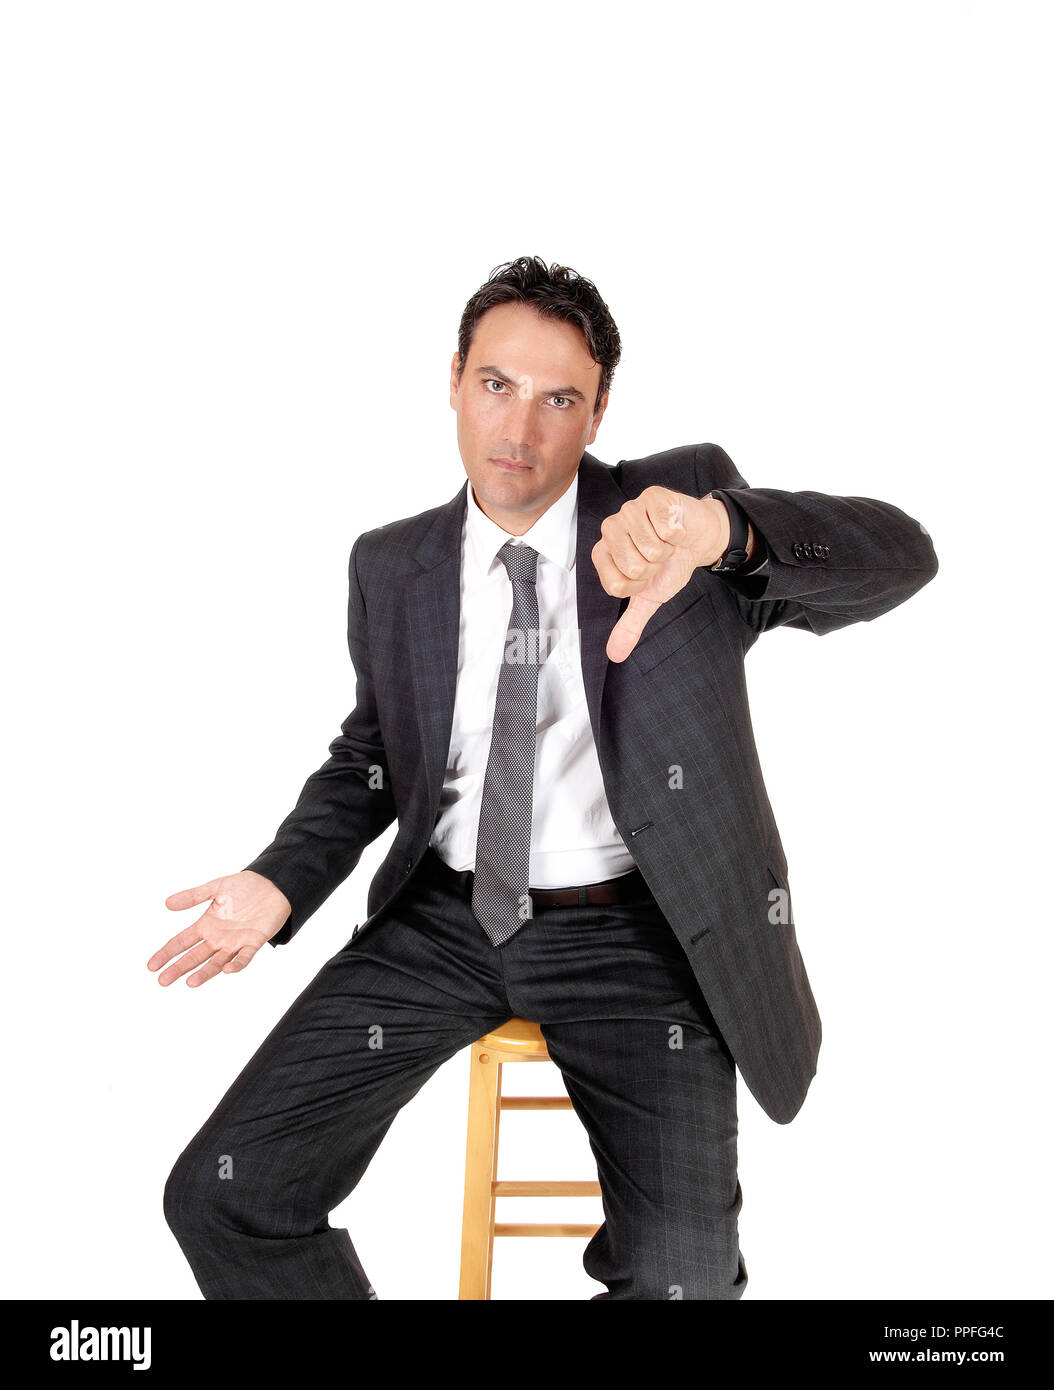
{"x": 736, "y": 552}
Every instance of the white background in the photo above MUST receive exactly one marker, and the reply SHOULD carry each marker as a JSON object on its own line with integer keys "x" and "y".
{"x": 237, "y": 242}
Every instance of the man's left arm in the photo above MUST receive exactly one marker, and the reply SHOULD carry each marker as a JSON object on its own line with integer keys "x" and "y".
{"x": 817, "y": 562}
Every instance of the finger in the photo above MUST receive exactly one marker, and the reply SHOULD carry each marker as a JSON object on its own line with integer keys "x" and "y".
{"x": 210, "y": 969}
{"x": 190, "y": 897}
{"x": 190, "y": 961}
{"x": 611, "y": 577}
{"x": 632, "y": 543}
{"x": 625, "y": 635}
{"x": 182, "y": 941}
{"x": 667, "y": 516}
{"x": 656, "y": 523}
{"x": 175, "y": 947}
{"x": 241, "y": 958}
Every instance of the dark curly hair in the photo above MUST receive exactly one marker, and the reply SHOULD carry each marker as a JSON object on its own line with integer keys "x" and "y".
{"x": 554, "y": 291}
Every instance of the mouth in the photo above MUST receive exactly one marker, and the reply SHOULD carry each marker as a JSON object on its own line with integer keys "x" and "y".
{"x": 511, "y": 466}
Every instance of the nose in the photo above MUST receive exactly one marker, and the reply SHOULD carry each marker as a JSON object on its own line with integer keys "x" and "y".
{"x": 521, "y": 429}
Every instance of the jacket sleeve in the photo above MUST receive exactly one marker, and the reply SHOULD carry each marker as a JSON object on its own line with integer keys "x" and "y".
{"x": 345, "y": 804}
{"x": 829, "y": 561}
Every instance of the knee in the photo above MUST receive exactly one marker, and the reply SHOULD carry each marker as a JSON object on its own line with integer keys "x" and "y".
{"x": 184, "y": 1200}
{"x": 197, "y": 1201}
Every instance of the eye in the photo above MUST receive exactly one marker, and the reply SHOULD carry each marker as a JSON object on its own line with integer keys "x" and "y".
{"x": 493, "y": 381}
{"x": 562, "y": 398}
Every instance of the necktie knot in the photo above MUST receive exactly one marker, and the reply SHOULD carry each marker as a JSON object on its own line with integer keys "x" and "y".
{"x": 521, "y": 561}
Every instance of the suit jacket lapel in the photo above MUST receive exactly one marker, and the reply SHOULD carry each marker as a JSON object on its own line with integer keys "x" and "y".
{"x": 435, "y": 620}
{"x": 598, "y": 496}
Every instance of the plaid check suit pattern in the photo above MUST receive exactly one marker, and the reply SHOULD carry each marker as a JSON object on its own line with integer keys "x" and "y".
{"x": 710, "y": 853}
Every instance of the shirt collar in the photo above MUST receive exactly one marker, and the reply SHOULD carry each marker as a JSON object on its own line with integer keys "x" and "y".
{"x": 554, "y": 535}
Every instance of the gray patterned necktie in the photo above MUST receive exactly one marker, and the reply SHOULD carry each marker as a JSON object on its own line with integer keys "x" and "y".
{"x": 501, "y": 900}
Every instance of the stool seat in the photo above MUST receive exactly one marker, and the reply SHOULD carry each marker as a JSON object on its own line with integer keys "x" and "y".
{"x": 518, "y": 1036}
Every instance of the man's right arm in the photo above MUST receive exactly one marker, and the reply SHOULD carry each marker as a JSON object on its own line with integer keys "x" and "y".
{"x": 343, "y": 806}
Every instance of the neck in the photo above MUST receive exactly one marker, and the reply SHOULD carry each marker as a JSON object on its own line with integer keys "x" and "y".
{"x": 520, "y": 522}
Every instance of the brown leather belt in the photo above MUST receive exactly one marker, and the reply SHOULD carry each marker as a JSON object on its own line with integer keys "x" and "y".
{"x": 624, "y": 888}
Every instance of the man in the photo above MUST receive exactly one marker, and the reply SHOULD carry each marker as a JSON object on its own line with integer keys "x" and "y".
{"x": 551, "y": 702}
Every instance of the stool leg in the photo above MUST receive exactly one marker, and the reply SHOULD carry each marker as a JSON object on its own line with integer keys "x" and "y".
{"x": 481, "y": 1161}
{"x": 494, "y": 1173}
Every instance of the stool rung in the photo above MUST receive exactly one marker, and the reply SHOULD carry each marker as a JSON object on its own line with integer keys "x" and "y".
{"x": 545, "y": 1189}
{"x": 535, "y": 1103}
{"x": 544, "y": 1229}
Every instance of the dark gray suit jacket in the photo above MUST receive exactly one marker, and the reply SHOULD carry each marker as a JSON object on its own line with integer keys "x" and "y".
{"x": 709, "y": 849}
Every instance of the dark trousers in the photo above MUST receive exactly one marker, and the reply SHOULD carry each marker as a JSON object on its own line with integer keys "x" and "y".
{"x": 646, "y": 1068}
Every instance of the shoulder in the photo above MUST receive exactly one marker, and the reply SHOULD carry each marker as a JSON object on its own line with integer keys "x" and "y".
{"x": 399, "y": 538}
{"x": 691, "y": 468}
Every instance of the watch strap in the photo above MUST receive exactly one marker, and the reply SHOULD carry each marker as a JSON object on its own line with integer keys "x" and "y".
{"x": 736, "y": 552}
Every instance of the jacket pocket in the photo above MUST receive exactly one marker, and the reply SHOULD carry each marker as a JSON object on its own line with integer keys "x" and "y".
{"x": 666, "y": 634}
{"x": 780, "y": 906}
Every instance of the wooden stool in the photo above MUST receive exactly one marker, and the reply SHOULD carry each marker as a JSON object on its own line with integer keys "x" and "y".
{"x": 515, "y": 1041}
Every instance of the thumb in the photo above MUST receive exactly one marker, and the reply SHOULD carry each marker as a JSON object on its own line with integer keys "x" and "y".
{"x": 190, "y": 897}
{"x": 626, "y": 633}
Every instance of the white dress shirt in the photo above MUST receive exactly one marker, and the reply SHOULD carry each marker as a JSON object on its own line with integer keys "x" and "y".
{"x": 573, "y": 838}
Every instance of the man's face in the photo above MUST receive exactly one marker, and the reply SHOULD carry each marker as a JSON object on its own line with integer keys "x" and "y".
{"x": 524, "y": 412}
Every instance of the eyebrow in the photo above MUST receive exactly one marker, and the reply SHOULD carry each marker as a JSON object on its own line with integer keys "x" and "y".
{"x": 572, "y": 391}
